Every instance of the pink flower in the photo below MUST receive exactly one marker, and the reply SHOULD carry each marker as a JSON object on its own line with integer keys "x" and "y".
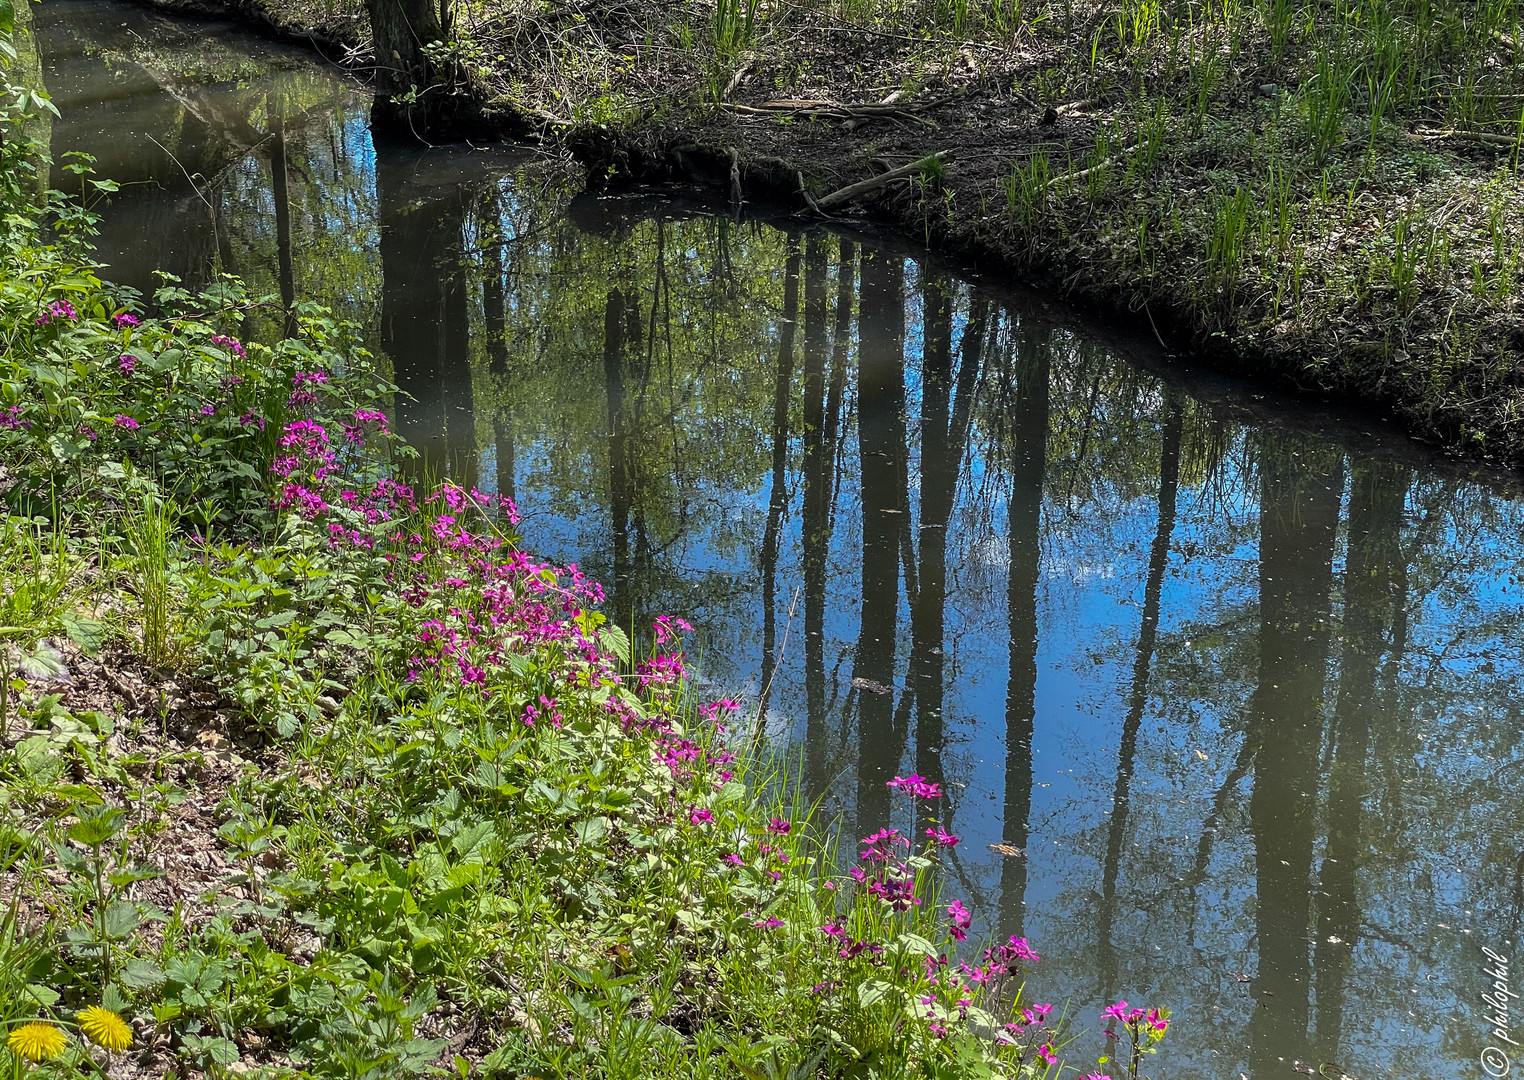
{"x": 779, "y": 826}
{"x": 940, "y": 837}
{"x": 11, "y": 418}
{"x": 122, "y": 318}
{"x": 127, "y": 363}
{"x": 769, "y": 923}
{"x": 916, "y": 786}
{"x": 1045, "y": 1051}
{"x": 231, "y": 345}
{"x": 959, "y": 919}
{"x": 58, "y": 309}
{"x": 122, "y": 421}
{"x": 701, "y": 816}
{"x": 735, "y": 860}
{"x": 1118, "y": 1011}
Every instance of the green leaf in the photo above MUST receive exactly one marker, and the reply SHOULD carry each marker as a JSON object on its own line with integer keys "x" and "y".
{"x": 89, "y": 634}
{"x": 872, "y": 991}
{"x": 141, "y": 974}
{"x": 917, "y": 944}
{"x": 38, "y": 759}
{"x": 44, "y": 996}
{"x": 120, "y": 921}
{"x": 96, "y": 829}
{"x": 591, "y": 831}
{"x": 43, "y": 663}
{"x": 615, "y": 641}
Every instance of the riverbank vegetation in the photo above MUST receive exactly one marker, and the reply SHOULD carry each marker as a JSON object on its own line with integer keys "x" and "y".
{"x": 309, "y": 768}
{"x": 1327, "y": 193}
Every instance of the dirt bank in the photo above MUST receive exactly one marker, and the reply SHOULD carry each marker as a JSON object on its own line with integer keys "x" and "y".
{"x": 1326, "y": 196}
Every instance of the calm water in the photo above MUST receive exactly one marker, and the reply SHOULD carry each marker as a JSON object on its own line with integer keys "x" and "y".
{"x": 1246, "y": 697}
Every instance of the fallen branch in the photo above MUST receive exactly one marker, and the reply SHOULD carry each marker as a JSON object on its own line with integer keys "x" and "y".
{"x": 735, "y": 80}
{"x": 1485, "y": 138}
{"x": 1104, "y": 163}
{"x": 862, "y": 187}
{"x": 1507, "y": 42}
{"x": 831, "y": 110}
{"x": 808, "y": 198}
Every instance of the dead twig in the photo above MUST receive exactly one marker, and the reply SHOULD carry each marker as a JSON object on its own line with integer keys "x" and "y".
{"x": 735, "y": 80}
{"x": 862, "y": 187}
{"x": 1484, "y": 138}
{"x": 1105, "y": 163}
{"x": 735, "y": 180}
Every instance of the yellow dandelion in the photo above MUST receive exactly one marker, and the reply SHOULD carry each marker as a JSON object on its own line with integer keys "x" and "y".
{"x": 105, "y": 1028}
{"x": 36, "y": 1041}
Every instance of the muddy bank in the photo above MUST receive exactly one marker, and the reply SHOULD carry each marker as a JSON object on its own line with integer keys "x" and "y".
{"x": 1228, "y": 184}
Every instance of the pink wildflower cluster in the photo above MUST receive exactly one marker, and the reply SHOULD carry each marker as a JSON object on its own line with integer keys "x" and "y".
{"x": 126, "y": 320}
{"x": 303, "y": 389}
{"x": 306, "y": 451}
{"x": 716, "y": 712}
{"x": 668, "y": 626}
{"x": 1138, "y": 1020}
{"x": 355, "y": 432}
{"x": 917, "y": 787}
{"x": 232, "y": 345}
{"x": 11, "y": 418}
{"x": 58, "y": 309}
{"x": 850, "y": 947}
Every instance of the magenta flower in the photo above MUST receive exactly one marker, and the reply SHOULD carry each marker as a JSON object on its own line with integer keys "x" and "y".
{"x": 1017, "y": 948}
{"x": 127, "y": 363}
{"x": 917, "y": 787}
{"x": 959, "y": 920}
{"x": 779, "y": 826}
{"x": 58, "y": 309}
{"x": 122, "y": 318}
{"x": 1045, "y": 1051}
{"x": 127, "y": 422}
{"x": 735, "y": 860}
{"x": 666, "y": 627}
{"x": 701, "y": 816}
{"x": 940, "y": 837}
{"x": 769, "y": 923}
{"x": 1117, "y": 1011}
{"x": 232, "y": 345}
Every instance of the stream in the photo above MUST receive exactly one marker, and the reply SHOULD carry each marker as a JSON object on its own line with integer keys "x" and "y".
{"x": 1232, "y": 684}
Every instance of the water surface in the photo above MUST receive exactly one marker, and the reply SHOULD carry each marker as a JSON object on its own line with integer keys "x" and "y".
{"x": 1243, "y": 694}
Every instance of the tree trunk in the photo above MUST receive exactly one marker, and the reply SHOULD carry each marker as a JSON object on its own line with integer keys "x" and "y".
{"x": 406, "y": 95}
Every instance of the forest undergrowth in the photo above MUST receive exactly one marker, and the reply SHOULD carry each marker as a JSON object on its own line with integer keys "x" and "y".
{"x": 308, "y": 767}
{"x": 1321, "y": 192}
